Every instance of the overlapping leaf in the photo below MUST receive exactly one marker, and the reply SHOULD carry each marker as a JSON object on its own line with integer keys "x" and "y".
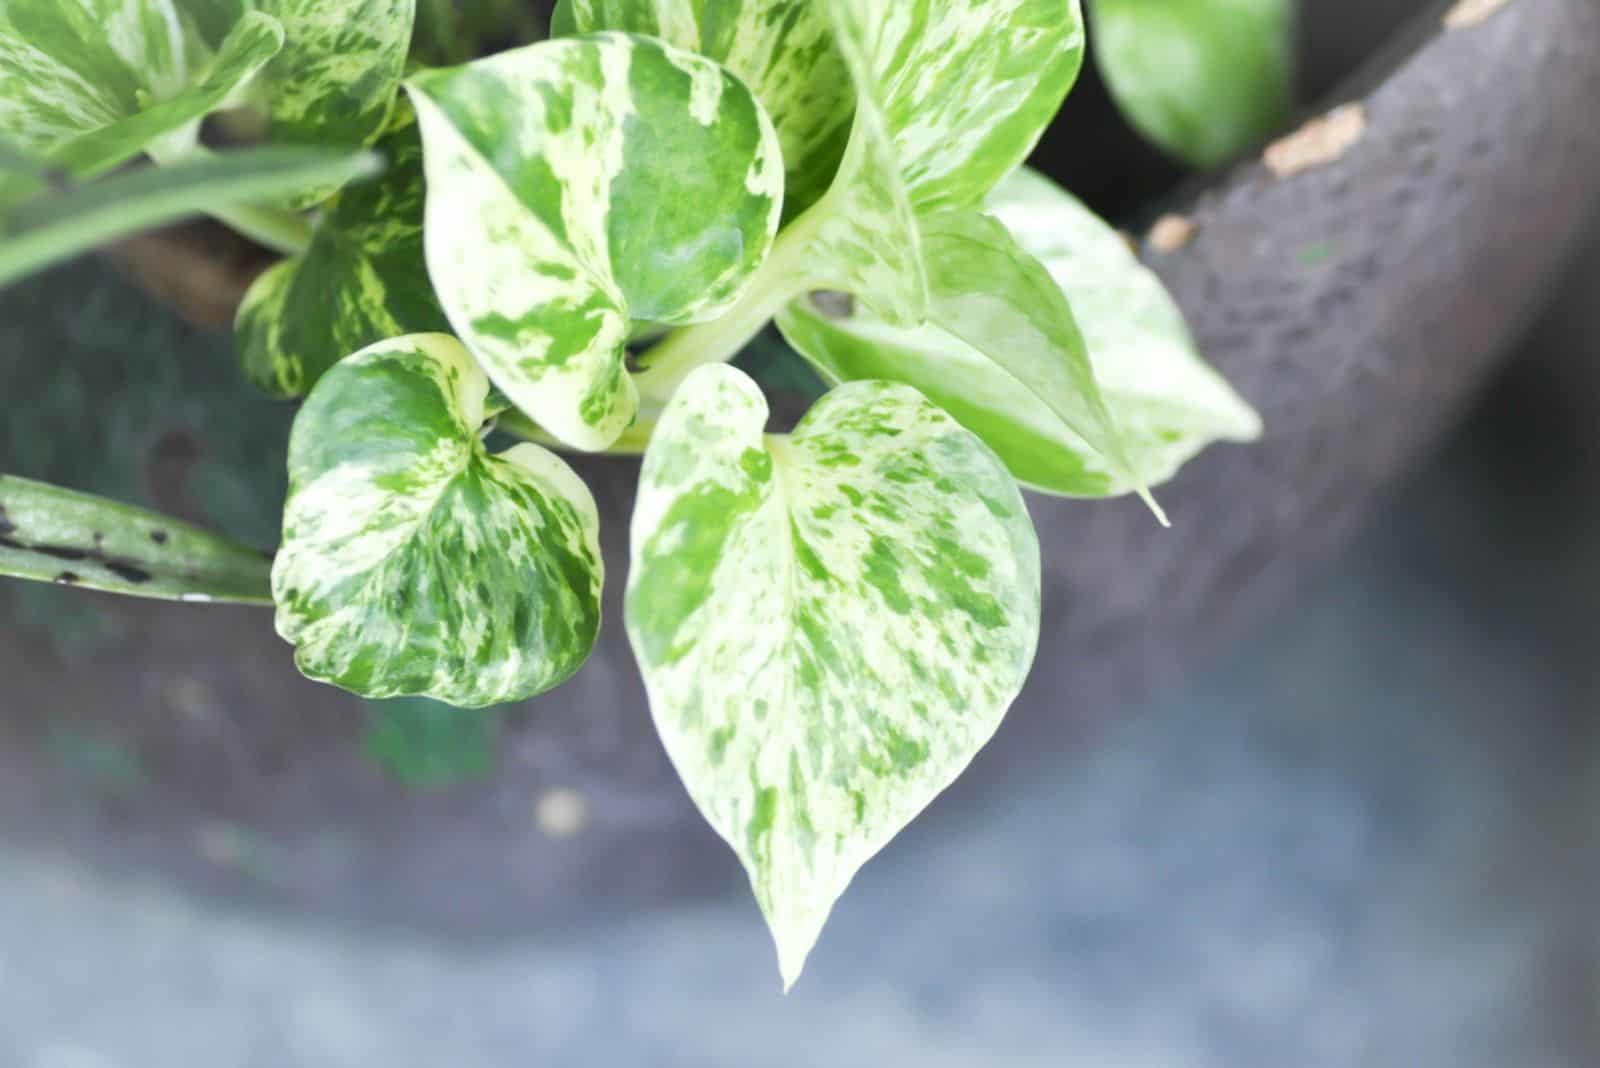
{"x": 87, "y": 84}
{"x": 1205, "y": 79}
{"x": 782, "y": 49}
{"x": 414, "y": 562}
{"x": 952, "y": 94}
{"x": 1024, "y": 393}
{"x": 830, "y": 624}
{"x": 582, "y": 185}
{"x": 363, "y": 280}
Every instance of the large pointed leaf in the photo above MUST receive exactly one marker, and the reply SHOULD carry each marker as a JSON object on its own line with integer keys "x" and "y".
{"x": 363, "y": 280}
{"x": 1204, "y": 79}
{"x": 783, "y": 49}
{"x": 578, "y": 186}
{"x": 57, "y": 535}
{"x": 71, "y": 90}
{"x": 953, "y": 94}
{"x": 48, "y": 227}
{"x": 830, "y": 624}
{"x": 414, "y": 562}
{"x": 1024, "y": 392}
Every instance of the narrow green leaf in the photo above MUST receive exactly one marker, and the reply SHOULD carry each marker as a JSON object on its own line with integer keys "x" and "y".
{"x": 416, "y": 563}
{"x": 1204, "y": 79}
{"x": 73, "y": 91}
{"x": 952, "y": 95}
{"x": 577, "y": 187}
{"x": 782, "y": 49}
{"x": 50, "y": 534}
{"x": 55, "y": 226}
{"x": 830, "y": 624}
{"x": 1018, "y": 379}
{"x": 363, "y": 280}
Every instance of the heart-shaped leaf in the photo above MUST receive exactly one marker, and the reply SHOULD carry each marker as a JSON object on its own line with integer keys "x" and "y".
{"x": 1023, "y": 388}
{"x": 830, "y": 624}
{"x": 364, "y": 279}
{"x": 414, "y": 562}
{"x": 578, "y": 186}
{"x": 88, "y": 84}
{"x": 1204, "y": 79}
{"x": 952, "y": 95}
{"x": 782, "y": 49}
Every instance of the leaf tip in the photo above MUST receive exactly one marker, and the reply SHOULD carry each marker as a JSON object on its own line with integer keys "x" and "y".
{"x": 794, "y": 947}
{"x": 795, "y": 932}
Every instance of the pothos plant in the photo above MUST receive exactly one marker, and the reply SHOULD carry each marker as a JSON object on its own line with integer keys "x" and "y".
{"x": 570, "y": 241}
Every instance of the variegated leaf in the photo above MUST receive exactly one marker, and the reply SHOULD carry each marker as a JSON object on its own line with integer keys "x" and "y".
{"x": 1204, "y": 79}
{"x": 364, "y": 279}
{"x": 72, "y": 89}
{"x": 50, "y": 534}
{"x": 340, "y": 70}
{"x": 414, "y": 562}
{"x": 579, "y": 186}
{"x": 783, "y": 49}
{"x": 831, "y": 624}
{"x": 1167, "y": 404}
{"x": 953, "y": 94}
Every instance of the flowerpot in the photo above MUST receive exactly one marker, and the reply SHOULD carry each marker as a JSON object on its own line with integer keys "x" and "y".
{"x": 1357, "y": 302}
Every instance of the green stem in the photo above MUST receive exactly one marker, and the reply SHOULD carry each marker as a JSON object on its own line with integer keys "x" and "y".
{"x": 281, "y": 231}
{"x": 633, "y": 442}
{"x": 781, "y": 278}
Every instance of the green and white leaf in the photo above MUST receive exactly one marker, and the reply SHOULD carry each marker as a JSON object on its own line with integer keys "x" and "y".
{"x": 782, "y": 49}
{"x": 830, "y": 624}
{"x": 340, "y": 70}
{"x": 50, "y": 534}
{"x": 48, "y": 226}
{"x": 1162, "y": 398}
{"x": 952, "y": 95}
{"x": 1204, "y": 79}
{"x": 88, "y": 84}
{"x": 364, "y": 279}
{"x": 416, "y": 563}
{"x": 578, "y": 187}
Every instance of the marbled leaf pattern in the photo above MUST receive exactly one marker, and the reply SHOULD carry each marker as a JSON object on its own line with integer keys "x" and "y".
{"x": 578, "y": 186}
{"x": 88, "y": 84}
{"x": 1162, "y": 398}
{"x": 363, "y": 280}
{"x": 782, "y": 49}
{"x": 952, "y": 95}
{"x": 831, "y": 624}
{"x": 414, "y": 562}
{"x": 340, "y": 70}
